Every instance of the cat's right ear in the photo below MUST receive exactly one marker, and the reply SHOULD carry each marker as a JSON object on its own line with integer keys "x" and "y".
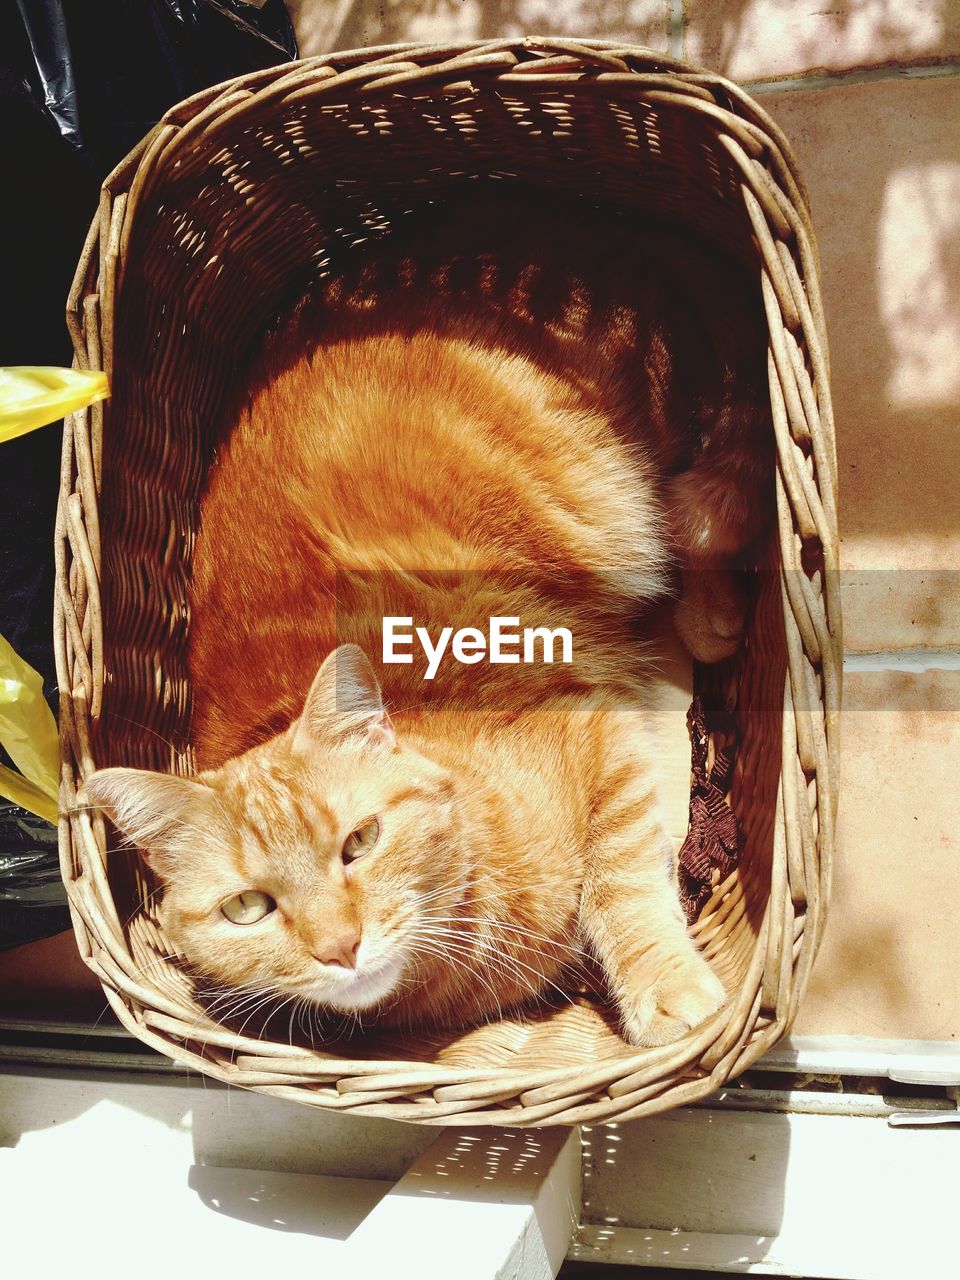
{"x": 152, "y": 810}
{"x": 345, "y": 702}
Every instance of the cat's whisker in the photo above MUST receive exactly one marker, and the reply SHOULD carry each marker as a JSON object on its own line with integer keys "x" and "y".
{"x": 196, "y": 1031}
{"x": 437, "y": 949}
{"x": 233, "y": 1001}
{"x": 468, "y": 884}
{"x": 136, "y": 724}
{"x": 459, "y": 891}
{"x": 231, "y": 1010}
{"x": 263, "y": 1004}
{"x": 293, "y": 1001}
{"x": 493, "y": 961}
{"x": 503, "y": 899}
{"x": 504, "y": 964}
{"x": 304, "y": 1011}
{"x": 520, "y": 932}
{"x": 510, "y": 961}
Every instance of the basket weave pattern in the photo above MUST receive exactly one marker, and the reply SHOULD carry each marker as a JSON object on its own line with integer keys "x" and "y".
{"x": 215, "y": 224}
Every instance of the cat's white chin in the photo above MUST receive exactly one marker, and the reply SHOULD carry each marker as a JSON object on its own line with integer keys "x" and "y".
{"x": 349, "y": 990}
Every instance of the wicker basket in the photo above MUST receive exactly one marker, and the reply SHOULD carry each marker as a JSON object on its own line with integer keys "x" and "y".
{"x": 217, "y": 222}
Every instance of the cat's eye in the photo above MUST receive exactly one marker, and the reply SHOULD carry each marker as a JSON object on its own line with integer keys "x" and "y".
{"x": 361, "y": 841}
{"x": 249, "y": 907}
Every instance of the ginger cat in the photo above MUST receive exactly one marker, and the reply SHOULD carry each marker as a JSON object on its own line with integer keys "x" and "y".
{"x": 514, "y": 407}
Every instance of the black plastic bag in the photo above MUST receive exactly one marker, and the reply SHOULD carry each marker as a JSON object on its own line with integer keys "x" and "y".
{"x": 108, "y": 69}
{"x": 81, "y": 82}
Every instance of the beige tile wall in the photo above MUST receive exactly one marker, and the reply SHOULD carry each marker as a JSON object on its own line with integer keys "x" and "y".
{"x": 882, "y": 163}
{"x": 869, "y": 93}
{"x": 881, "y": 156}
{"x": 761, "y": 39}
{"x": 322, "y": 25}
{"x": 889, "y": 963}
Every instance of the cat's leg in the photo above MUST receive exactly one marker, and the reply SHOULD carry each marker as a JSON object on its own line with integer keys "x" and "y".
{"x": 719, "y": 509}
{"x": 630, "y": 910}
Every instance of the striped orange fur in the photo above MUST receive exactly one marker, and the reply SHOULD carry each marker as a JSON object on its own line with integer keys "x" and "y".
{"x": 482, "y": 418}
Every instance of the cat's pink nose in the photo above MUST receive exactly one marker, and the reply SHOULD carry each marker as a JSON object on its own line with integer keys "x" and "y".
{"x": 341, "y": 950}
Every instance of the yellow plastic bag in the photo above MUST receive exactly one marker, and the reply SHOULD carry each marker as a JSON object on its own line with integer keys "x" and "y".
{"x": 28, "y": 733}
{"x": 33, "y": 395}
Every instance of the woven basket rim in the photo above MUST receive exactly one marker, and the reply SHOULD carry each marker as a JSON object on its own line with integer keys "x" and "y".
{"x": 777, "y": 206}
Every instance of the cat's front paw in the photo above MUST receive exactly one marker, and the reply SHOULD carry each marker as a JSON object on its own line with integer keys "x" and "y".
{"x": 682, "y": 997}
{"x": 711, "y": 613}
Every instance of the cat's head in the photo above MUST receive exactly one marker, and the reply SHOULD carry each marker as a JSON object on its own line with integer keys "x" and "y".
{"x": 308, "y": 864}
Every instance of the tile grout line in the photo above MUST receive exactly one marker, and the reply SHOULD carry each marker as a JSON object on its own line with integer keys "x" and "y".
{"x": 913, "y": 661}
{"x": 814, "y": 82}
{"x": 675, "y": 26}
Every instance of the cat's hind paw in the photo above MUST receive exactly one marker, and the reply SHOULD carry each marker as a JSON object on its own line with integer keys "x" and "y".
{"x": 686, "y": 995}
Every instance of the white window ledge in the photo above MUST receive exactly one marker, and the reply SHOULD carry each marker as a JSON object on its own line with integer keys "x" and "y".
{"x": 108, "y": 1175}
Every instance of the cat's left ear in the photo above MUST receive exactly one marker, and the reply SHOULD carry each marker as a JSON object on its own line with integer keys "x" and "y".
{"x": 154, "y": 811}
{"x": 345, "y": 702}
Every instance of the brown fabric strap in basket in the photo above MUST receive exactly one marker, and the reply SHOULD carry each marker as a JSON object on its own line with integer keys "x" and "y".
{"x": 714, "y": 838}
